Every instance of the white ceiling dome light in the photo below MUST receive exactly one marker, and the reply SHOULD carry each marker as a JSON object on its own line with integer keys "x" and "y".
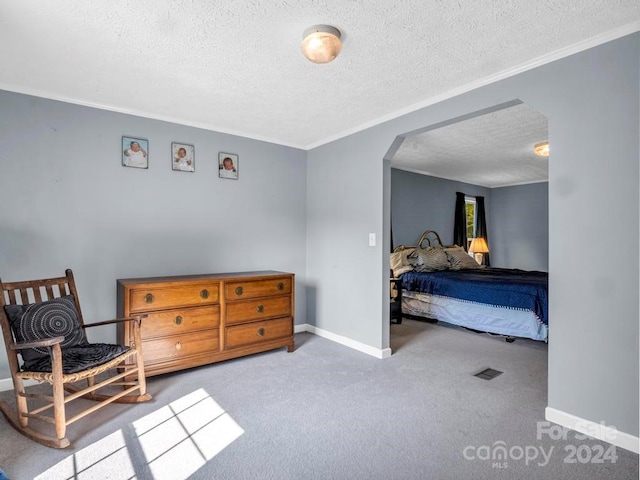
{"x": 321, "y": 43}
{"x": 542, "y": 149}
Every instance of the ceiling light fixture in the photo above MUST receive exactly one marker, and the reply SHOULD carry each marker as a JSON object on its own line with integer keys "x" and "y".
{"x": 321, "y": 43}
{"x": 541, "y": 149}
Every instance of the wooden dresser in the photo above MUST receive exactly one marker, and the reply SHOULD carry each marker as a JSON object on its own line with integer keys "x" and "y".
{"x": 194, "y": 320}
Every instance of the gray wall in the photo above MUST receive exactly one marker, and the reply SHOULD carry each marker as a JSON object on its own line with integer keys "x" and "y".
{"x": 422, "y": 202}
{"x": 517, "y": 217}
{"x": 345, "y": 204}
{"x": 519, "y": 232}
{"x": 68, "y": 202}
{"x": 592, "y": 102}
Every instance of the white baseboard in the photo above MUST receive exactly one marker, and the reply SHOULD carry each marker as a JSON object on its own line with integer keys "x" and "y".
{"x": 596, "y": 430}
{"x": 7, "y": 384}
{"x": 347, "y": 342}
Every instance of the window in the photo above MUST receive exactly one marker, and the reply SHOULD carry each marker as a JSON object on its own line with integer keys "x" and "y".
{"x": 470, "y": 208}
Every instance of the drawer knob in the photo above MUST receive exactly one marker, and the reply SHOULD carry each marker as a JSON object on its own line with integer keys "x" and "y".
{"x": 204, "y": 293}
{"x": 280, "y": 286}
{"x": 260, "y": 308}
{"x": 148, "y": 298}
{"x": 239, "y": 291}
{"x": 261, "y": 332}
{"x": 178, "y": 345}
{"x": 179, "y": 320}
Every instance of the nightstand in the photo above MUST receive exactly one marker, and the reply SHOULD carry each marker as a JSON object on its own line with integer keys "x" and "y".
{"x": 395, "y": 308}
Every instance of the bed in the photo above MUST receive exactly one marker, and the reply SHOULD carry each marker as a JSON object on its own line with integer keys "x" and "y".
{"x": 444, "y": 283}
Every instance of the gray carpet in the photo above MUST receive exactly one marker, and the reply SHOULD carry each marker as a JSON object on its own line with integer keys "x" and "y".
{"x": 329, "y": 412}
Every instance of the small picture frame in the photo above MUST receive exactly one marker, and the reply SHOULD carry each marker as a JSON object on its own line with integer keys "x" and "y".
{"x": 135, "y": 152}
{"x": 228, "y": 164}
{"x": 183, "y": 157}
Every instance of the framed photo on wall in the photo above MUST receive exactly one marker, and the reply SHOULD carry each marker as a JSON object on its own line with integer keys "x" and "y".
{"x": 183, "y": 157}
{"x": 135, "y": 152}
{"x": 228, "y": 165}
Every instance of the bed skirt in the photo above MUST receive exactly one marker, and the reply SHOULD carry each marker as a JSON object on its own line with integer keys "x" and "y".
{"x": 477, "y": 316}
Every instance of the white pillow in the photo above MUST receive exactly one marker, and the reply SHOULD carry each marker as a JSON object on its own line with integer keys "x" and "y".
{"x": 405, "y": 254}
{"x": 399, "y": 271}
{"x": 400, "y": 263}
{"x": 395, "y": 260}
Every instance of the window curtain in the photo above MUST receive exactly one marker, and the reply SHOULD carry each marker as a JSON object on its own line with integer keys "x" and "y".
{"x": 481, "y": 227}
{"x": 460, "y": 222}
{"x": 391, "y": 233}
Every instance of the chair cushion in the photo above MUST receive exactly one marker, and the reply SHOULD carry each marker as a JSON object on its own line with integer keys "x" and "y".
{"x": 79, "y": 358}
{"x": 57, "y": 317}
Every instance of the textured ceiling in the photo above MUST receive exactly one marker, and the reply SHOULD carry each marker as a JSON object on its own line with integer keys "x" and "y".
{"x": 492, "y": 150}
{"x": 236, "y": 66}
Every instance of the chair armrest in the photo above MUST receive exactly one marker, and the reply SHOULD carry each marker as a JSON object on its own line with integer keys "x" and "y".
{"x": 45, "y": 342}
{"x": 136, "y": 318}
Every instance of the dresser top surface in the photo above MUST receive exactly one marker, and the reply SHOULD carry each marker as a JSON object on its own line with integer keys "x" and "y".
{"x": 257, "y": 275}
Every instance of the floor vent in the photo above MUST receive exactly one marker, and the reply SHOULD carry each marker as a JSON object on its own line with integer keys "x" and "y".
{"x": 488, "y": 374}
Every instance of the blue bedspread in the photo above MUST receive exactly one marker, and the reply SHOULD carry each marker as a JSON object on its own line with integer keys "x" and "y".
{"x": 521, "y": 289}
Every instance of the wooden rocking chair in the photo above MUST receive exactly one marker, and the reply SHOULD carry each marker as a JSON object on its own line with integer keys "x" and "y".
{"x": 41, "y": 320}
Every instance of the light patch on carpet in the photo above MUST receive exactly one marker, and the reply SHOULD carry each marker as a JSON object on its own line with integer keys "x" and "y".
{"x": 180, "y": 438}
{"x": 106, "y": 458}
{"x": 176, "y": 440}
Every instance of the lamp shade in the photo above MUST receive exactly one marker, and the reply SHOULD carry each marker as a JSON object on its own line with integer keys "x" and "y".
{"x": 321, "y": 43}
{"x": 479, "y": 245}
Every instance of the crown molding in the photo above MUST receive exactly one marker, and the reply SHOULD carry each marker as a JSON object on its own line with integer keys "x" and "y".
{"x": 143, "y": 114}
{"x": 523, "y": 67}
{"x": 537, "y": 62}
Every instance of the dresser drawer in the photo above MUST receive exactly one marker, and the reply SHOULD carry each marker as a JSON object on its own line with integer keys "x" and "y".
{"x": 194, "y": 320}
{"x": 257, "y": 288}
{"x": 158, "y": 297}
{"x": 258, "y": 309}
{"x": 258, "y": 332}
{"x": 184, "y": 320}
{"x": 176, "y": 347}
